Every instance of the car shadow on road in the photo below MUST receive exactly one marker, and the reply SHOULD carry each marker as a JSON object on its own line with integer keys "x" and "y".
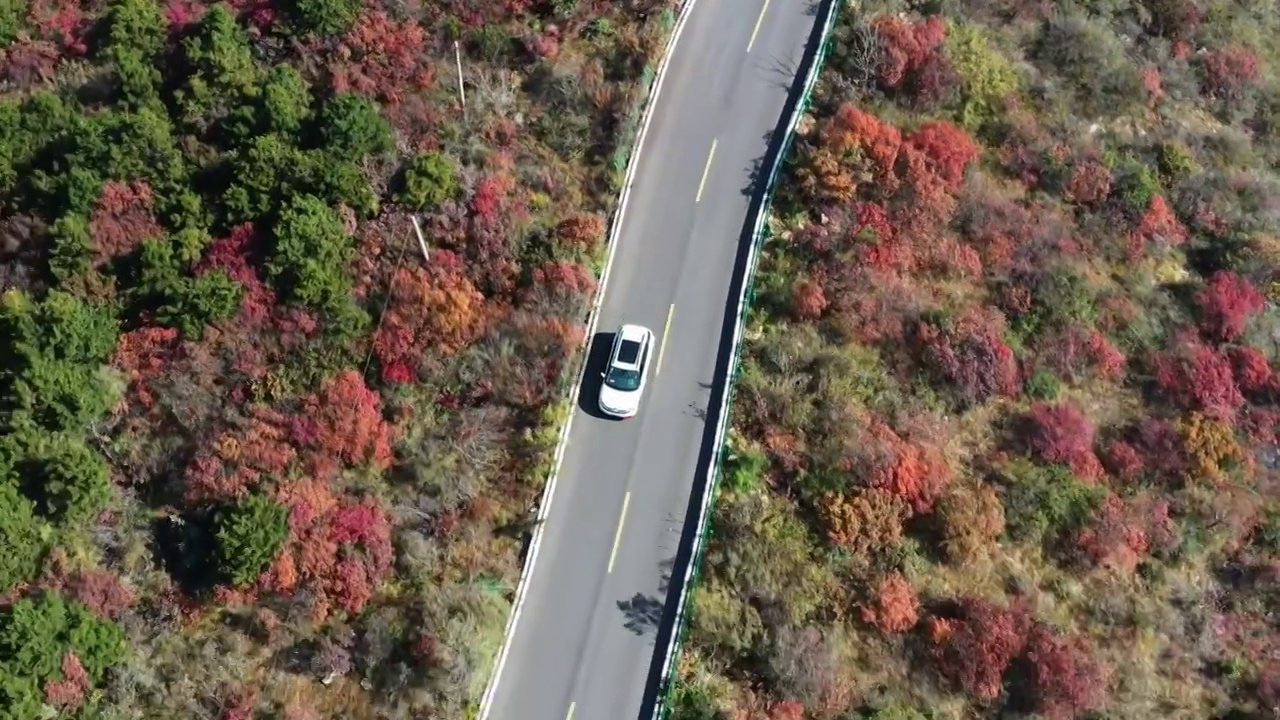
{"x": 674, "y": 573}
{"x": 597, "y": 360}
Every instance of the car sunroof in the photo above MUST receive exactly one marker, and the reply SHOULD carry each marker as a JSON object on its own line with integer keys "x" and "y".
{"x": 629, "y": 351}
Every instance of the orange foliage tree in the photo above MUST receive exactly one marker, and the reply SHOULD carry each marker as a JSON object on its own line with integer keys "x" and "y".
{"x": 436, "y": 308}
{"x": 865, "y": 522}
{"x": 894, "y": 607}
{"x": 141, "y": 355}
{"x": 255, "y": 447}
{"x": 1210, "y": 448}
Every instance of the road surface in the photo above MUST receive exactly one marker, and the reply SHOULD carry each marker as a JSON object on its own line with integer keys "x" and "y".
{"x": 585, "y": 643}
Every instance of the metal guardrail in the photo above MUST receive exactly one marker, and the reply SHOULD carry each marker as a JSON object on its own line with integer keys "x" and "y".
{"x": 759, "y": 237}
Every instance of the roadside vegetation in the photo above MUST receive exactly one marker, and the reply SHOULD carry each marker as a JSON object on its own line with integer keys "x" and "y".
{"x": 257, "y": 458}
{"x": 1004, "y": 441}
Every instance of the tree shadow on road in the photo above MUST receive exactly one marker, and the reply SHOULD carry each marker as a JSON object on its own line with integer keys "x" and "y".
{"x": 643, "y": 613}
{"x": 674, "y": 571}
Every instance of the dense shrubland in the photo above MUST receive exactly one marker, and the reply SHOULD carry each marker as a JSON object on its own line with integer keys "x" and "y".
{"x": 1005, "y": 436}
{"x": 249, "y": 439}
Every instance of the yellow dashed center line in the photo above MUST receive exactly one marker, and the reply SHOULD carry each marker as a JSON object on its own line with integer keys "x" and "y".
{"x": 662, "y": 349}
{"x": 759, "y": 21}
{"x": 570, "y": 715}
{"x": 706, "y": 171}
{"x": 617, "y": 538}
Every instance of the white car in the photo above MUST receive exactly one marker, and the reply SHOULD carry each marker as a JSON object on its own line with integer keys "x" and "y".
{"x": 628, "y": 369}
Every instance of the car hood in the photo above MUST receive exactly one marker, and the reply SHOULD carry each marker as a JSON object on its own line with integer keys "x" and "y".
{"x": 619, "y": 401}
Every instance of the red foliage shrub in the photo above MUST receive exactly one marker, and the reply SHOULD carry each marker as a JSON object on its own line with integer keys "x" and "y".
{"x": 239, "y": 704}
{"x": 871, "y": 221}
{"x": 1153, "y": 84}
{"x": 545, "y": 45}
{"x": 429, "y": 308}
{"x": 384, "y": 58}
{"x": 480, "y": 232}
{"x": 122, "y": 220}
{"x": 949, "y": 150}
{"x": 62, "y": 21}
{"x": 786, "y": 710}
{"x": 1024, "y": 154}
{"x": 1174, "y": 19}
{"x": 808, "y": 301}
{"x": 895, "y": 607}
{"x": 1250, "y": 368}
{"x": 907, "y": 47}
{"x": 237, "y": 255}
{"x": 1198, "y": 377}
{"x": 970, "y": 353}
{"x": 974, "y": 649}
{"x": 1159, "y": 226}
{"x": 560, "y": 288}
{"x": 1122, "y": 459}
{"x": 481, "y": 12}
{"x": 1077, "y": 352}
{"x": 340, "y": 552}
{"x": 1225, "y": 304}
{"x": 1089, "y": 182}
{"x": 1267, "y": 687}
{"x": 343, "y": 425}
{"x": 1012, "y": 236}
{"x": 870, "y": 318}
{"x": 927, "y": 204}
{"x": 1161, "y": 445}
{"x": 1062, "y": 434}
{"x": 1228, "y": 73}
{"x": 262, "y": 14}
{"x": 27, "y": 63}
{"x": 141, "y": 355}
{"x": 911, "y": 472}
{"x": 101, "y": 591}
{"x": 585, "y": 231}
{"x": 68, "y": 694}
{"x": 1065, "y": 679}
{"x": 1122, "y": 532}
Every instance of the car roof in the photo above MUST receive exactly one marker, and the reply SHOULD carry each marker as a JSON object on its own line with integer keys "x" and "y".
{"x": 636, "y": 333}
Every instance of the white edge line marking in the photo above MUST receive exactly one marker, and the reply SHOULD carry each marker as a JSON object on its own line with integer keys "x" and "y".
{"x": 570, "y": 715}
{"x": 721, "y": 425}
{"x": 548, "y": 493}
{"x": 759, "y": 21}
{"x": 706, "y": 170}
{"x": 617, "y": 536}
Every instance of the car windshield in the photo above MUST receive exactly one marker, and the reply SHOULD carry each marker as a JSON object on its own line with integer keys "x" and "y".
{"x": 620, "y": 379}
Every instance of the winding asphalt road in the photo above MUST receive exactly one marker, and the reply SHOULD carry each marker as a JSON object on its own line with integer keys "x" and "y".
{"x": 584, "y": 645}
